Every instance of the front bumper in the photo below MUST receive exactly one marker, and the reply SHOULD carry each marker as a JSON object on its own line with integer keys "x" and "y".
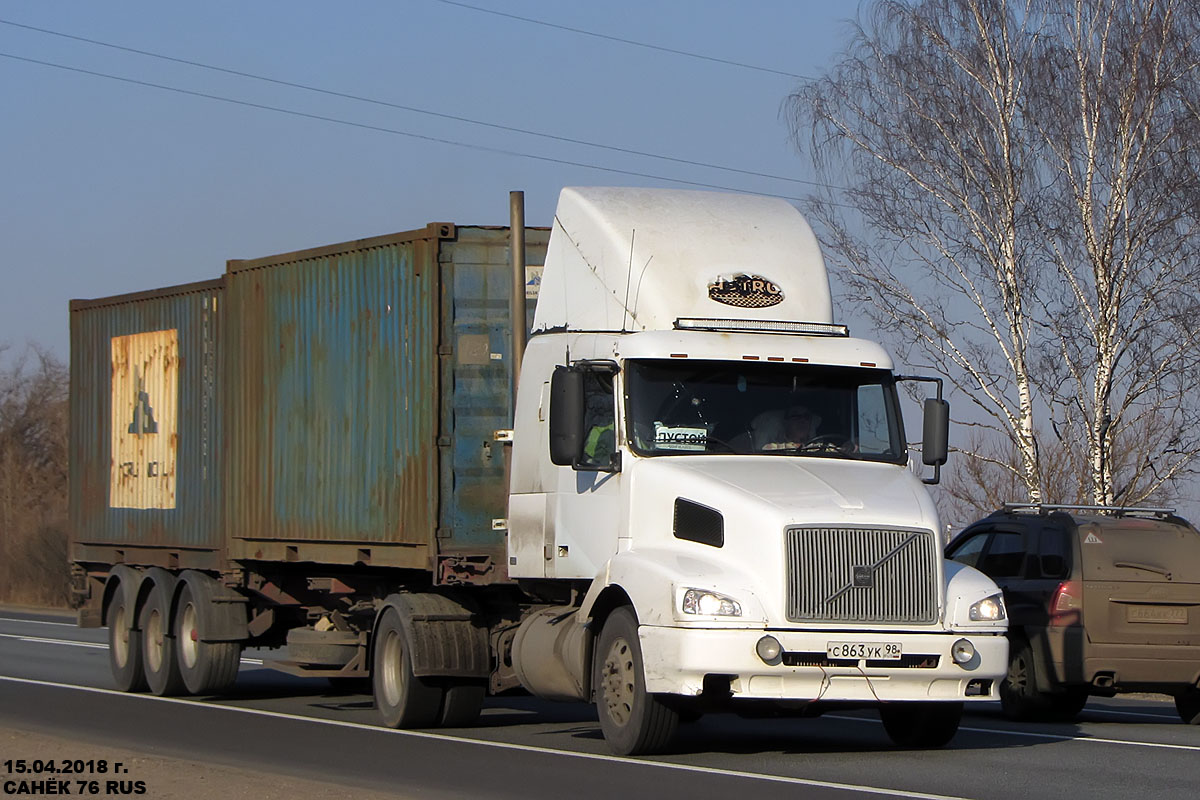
{"x": 676, "y": 660}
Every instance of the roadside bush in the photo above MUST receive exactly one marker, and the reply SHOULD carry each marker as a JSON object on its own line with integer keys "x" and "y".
{"x": 33, "y": 478}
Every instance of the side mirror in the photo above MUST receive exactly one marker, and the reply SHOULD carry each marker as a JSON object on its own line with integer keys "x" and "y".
{"x": 566, "y": 416}
{"x": 936, "y": 435}
{"x": 935, "y": 438}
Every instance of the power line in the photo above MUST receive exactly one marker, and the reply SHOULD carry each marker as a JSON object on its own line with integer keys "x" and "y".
{"x": 414, "y": 109}
{"x": 646, "y": 45}
{"x": 393, "y": 131}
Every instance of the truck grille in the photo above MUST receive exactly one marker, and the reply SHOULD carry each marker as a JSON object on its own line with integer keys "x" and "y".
{"x": 861, "y": 575}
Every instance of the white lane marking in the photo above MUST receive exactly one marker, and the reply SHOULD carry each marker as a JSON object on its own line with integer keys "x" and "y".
{"x": 38, "y": 622}
{"x": 850, "y": 787}
{"x": 75, "y": 643}
{"x": 1166, "y": 716}
{"x": 71, "y": 642}
{"x": 1058, "y": 737}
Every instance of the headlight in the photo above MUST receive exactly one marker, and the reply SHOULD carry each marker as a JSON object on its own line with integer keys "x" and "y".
{"x": 710, "y": 604}
{"x": 989, "y": 609}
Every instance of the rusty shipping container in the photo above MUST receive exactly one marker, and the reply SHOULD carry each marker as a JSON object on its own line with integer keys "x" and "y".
{"x": 348, "y": 414}
{"x": 145, "y": 483}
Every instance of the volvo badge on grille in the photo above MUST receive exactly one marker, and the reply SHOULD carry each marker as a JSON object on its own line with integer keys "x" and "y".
{"x": 864, "y": 577}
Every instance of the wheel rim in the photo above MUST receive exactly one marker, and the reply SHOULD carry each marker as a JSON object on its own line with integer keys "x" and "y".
{"x": 120, "y": 637}
{"x": 188, "y": 644}
{"x": 1018, "y": 676}
{"x": 154, "y": 641}
{"x": 392, "y": 668}
{"x": 617, "y": 678}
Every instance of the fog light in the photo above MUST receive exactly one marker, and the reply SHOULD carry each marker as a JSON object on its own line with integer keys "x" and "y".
{"x": 769, "y": 649}
{"x": 962, "y": 651}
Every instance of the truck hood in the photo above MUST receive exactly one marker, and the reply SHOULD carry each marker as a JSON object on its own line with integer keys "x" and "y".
{"x": 797, "y": 490}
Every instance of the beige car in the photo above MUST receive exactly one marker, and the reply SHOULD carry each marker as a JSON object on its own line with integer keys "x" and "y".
{"x": 1100, "y": 601}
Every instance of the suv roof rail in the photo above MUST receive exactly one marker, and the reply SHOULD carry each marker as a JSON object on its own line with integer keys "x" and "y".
{"x": 1119, "y": 511}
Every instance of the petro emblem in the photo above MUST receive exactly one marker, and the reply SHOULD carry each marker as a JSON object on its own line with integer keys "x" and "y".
{"x": 745, "y": 291}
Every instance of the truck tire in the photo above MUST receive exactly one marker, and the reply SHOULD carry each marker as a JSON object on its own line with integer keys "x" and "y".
{"x": 921, "y": 724}
{"x": 462, "y": 704}
{"x": 1019, "y": 695}
{"x": 158, "y": 645}
{"x": 124, "y": 646}
{"x": 205, "y": 667}
{"x": 403, "y": 699}
{"x": 1187, "y": 703}
{"x": 634, "y": 721}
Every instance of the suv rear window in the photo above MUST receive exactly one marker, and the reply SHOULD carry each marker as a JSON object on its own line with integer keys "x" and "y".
{"x": 1140, "y": 550}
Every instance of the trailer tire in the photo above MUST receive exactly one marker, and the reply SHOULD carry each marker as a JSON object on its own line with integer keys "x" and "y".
{"x": 634, "y": 721}
{"x": 205, "y": 667}
{"x": 158, "y": 645}
{"x": 462, "y": 704}
{"x": 921, "y": 724}
{"x": 124, "y": 646}
{"x": 403, "y": 699}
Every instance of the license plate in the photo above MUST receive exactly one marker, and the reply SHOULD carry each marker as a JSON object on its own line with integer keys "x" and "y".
{"x": 872, "y": 651}
{"x": 1170, "y": 614}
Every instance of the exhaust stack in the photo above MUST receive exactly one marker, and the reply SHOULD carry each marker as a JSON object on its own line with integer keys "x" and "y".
{"x": 516, "y": 211}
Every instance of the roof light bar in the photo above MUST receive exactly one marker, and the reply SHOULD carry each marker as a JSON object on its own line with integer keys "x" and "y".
{"x": 762, "y": 326}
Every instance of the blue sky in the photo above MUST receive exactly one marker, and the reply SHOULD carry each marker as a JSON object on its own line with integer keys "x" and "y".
{"x": 112, "y": 187}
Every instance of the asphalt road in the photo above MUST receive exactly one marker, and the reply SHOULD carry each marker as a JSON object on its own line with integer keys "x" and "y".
{"x": 54, "y": 678}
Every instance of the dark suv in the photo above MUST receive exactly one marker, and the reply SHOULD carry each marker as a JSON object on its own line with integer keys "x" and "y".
{"x": 1100, "y": 600}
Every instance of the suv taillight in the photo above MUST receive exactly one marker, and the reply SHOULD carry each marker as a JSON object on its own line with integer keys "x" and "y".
{"x": 1066, "y": 607}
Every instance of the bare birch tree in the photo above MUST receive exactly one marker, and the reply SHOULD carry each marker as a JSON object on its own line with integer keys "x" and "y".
{"x": 1018, "y": 198}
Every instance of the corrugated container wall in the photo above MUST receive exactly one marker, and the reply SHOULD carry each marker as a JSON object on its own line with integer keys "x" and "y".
{"x": 145, "y": 427}
{"x": 364, "y": 384}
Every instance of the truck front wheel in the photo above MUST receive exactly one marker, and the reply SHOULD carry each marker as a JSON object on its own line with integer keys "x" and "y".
{"x": 633, "y": 720}
{"x": 921, "y": 724}
{"x": 403, "y": 699}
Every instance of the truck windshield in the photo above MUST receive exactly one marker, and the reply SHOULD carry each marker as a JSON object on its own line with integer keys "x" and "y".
{"x": 707, "y": 407}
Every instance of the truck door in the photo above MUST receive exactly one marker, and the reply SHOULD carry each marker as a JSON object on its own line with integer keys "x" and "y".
{"x": 585, "y": 503}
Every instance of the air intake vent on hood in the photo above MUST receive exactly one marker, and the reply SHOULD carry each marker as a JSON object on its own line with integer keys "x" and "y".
{"x": 697, "y": 523}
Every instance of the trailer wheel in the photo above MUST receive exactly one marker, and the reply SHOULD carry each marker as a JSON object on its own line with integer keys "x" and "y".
{"x": 205, "y": 667}
{"x": 921, "y": 724}
{"x": 462, "y": 704}
{"x": 124, "y": 647}
{"x": 633, "y": 720}
{"x": 403, "y": 699}
{"x": 158, "y": 645}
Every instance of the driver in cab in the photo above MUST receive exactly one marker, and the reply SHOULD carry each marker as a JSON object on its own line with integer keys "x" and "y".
{"x": 793, "y": 428}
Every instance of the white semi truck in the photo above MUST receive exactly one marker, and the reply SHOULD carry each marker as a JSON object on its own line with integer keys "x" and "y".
{"x": 710, "y": 503}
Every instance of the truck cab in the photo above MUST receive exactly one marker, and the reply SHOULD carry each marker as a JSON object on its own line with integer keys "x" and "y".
{"x": 722, "y": 474}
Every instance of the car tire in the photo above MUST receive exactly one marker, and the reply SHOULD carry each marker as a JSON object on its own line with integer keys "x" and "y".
{"x": 1187, "y": 703}
{"x": 1019, "y": 695}
{"x": 634, "y": 722}
{"x": 921, "y": 724}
